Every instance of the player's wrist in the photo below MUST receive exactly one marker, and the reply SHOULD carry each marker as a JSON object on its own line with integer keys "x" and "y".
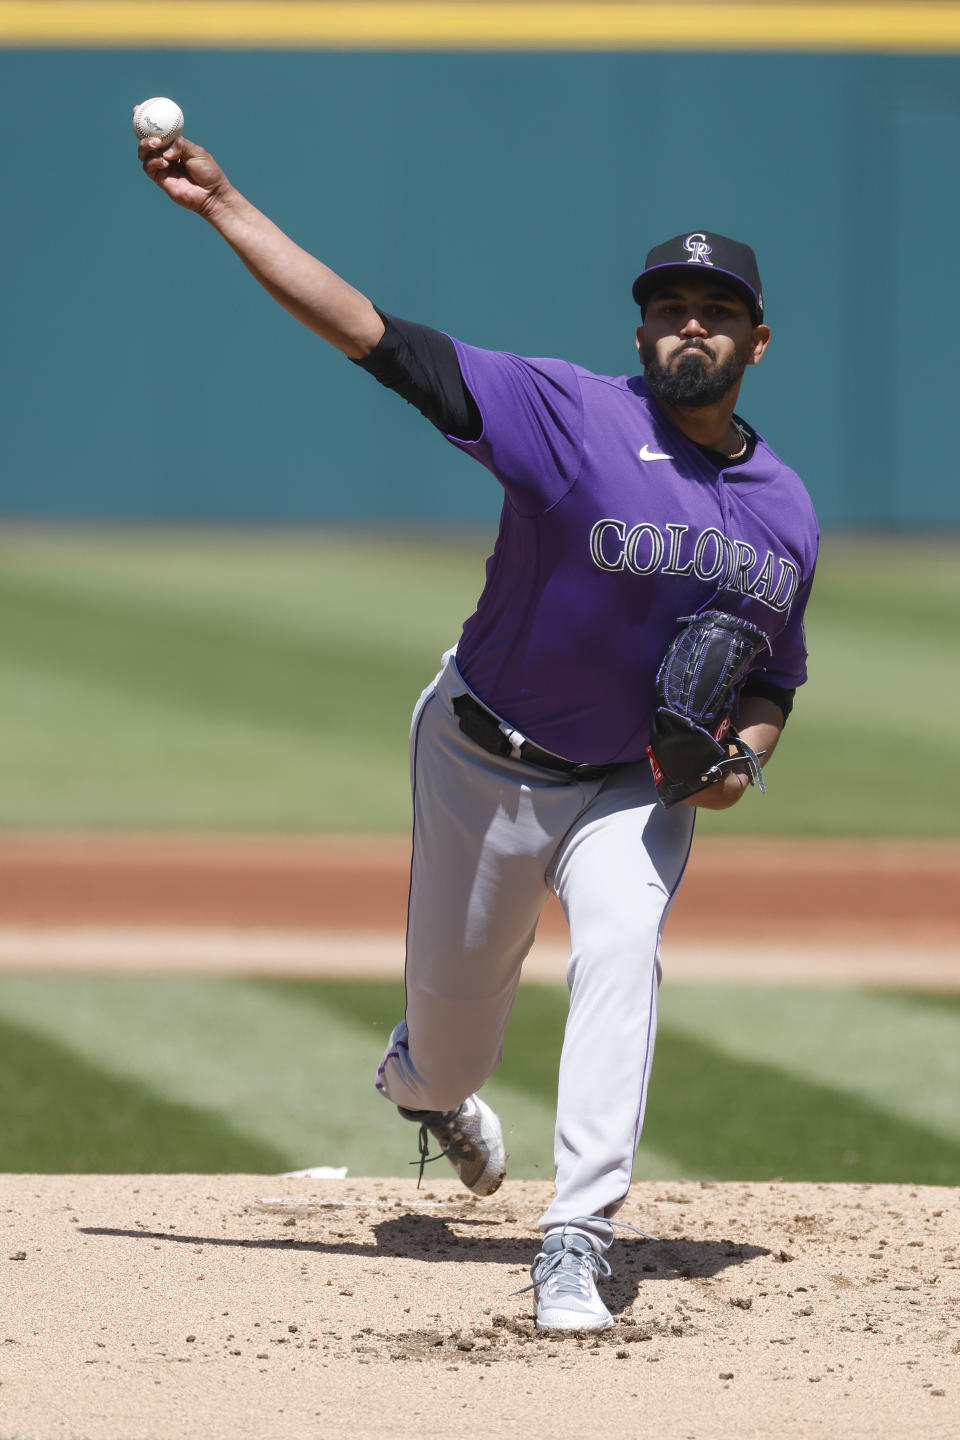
{"x": 732, "y": 788}
{"x": 223, "y": 206}
{"x": 723, "y": 793}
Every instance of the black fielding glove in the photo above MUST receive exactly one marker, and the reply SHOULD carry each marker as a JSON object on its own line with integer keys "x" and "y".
{"x": 696, "y": 697}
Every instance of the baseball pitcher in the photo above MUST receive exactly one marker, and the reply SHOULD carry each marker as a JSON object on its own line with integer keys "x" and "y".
{"x": 632, "y": 658}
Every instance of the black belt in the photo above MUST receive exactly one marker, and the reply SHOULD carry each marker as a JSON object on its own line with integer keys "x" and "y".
{"x": 482, "y": 726}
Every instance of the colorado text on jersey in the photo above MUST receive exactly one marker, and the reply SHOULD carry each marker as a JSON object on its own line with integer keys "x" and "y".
{"x": 733, "y": 565}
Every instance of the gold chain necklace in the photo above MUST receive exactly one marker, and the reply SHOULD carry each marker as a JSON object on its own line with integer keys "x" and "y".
{"x": 744, "y": 437}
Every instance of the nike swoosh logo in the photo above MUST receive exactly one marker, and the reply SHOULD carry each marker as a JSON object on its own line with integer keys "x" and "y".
{"x": 647, "y": 454}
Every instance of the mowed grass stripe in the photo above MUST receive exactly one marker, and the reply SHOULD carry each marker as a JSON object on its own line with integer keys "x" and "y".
{"x": 262, "y": 1063}
{"x": 844, "y": 733}
{"x": 73, "y": 755}
{"x": 273, "y": 1061}
{"x": 405, "y": 592}
{"x": 879, "y": 609}
{"x": 325, "y": 639}
{"x": 285, "y": 1069}
{"x": 61, "y": 1114}
{"x": 924, "y": 1002}
{"x": 225, "y": 668}
{"x": 251, "y": 686}
{"x": 911, "y": 583}
{"x": 522, "y": 1091}
{"x": 719, "y": 1113}
{"x": 876, "y": 1049}
{"x": 853, "y": 663}
{"x": 727, "y": 1117}
{"x": 713, "y": 1114}
{"x": 288, "y": 1077}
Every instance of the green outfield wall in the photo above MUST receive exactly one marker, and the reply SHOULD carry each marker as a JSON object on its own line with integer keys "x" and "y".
{"x": 506, "y": 192}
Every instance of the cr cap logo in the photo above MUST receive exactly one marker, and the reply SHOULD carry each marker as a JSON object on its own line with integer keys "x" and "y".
{"x": 699, "y": 250}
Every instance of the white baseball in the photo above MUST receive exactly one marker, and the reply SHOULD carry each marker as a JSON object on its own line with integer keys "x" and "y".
{"x": 160, "y": 118}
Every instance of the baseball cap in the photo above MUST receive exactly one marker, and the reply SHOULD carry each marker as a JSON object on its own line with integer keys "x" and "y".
{"x": 705, "y": 251}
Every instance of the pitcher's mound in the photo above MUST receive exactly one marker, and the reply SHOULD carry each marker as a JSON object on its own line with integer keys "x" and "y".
{"x": 231, "y": 1306}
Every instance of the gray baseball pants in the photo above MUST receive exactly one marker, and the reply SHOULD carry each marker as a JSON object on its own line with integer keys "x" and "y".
{"x": 491, "y": 837}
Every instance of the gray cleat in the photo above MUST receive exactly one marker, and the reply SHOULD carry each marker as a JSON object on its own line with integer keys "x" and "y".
{"x": 471, "y": 1139}
{"x": 564, "y": 1286}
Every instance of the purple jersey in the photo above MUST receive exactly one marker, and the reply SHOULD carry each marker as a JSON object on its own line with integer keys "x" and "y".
{"x": 614, "y": 525}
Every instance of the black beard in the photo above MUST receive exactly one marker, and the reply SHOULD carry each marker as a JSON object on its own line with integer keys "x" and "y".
{"x": 694, "y": 382}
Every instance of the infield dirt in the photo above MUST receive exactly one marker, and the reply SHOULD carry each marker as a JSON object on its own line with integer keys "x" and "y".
{"x": 228, "y": 1307}
{"x": 877, "y": 912}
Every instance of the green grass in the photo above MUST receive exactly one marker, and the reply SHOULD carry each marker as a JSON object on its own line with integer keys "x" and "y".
{"x": 224, "y": 681}
{"x": 91, "y": 1120}
{"x": 125, "y": 1075}
{"x": 263, "y": 680}
{"x": 866, "y": 751}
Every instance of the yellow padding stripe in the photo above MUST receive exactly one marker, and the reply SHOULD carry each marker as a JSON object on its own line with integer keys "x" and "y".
{"x": 432, "y": 25}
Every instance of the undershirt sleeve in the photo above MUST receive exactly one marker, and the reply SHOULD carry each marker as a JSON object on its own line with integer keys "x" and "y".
{"x": 422, "y": 366}
{"x": 521, "y": 419}
{"x": 779, "y": 694}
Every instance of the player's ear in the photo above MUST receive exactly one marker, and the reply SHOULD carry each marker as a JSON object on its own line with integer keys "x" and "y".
{"x": 761, "y": 339}
{"x": 639, "y": 340}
